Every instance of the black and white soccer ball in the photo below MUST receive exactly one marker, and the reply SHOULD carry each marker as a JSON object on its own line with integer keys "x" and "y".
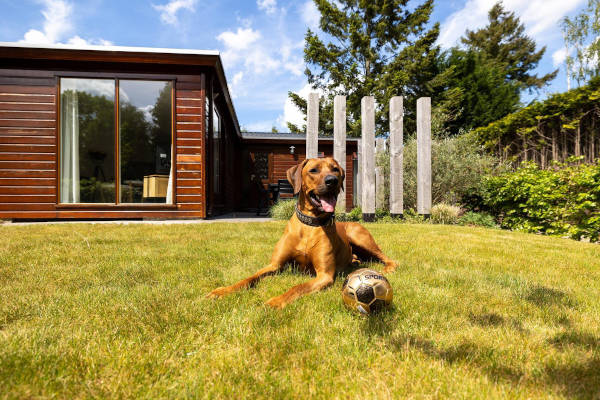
{"x": 367, "y": 291}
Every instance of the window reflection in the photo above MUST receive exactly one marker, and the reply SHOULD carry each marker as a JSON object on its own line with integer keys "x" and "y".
{"x": 87, "y": 141}
{"x": 145, "y": 141}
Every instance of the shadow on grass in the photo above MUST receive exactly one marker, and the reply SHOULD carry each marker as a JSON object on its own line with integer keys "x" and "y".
{"x": 543, "y": 296}
{"x": 574, "y": 379}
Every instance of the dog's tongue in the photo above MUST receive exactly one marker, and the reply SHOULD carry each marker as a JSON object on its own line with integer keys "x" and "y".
{"x": 328, "y": 203}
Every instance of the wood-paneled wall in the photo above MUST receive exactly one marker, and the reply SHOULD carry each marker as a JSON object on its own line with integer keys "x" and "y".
{"x": 29, "y": 151}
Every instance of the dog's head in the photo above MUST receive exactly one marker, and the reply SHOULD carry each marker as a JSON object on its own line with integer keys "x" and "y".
{"x": 318, "y": 181}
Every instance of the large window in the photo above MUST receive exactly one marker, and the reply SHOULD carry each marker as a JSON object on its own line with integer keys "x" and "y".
{"x": 100, "y": 146}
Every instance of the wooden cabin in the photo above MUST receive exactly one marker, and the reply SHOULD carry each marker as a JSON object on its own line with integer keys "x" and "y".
{"x": 127, "y": 133}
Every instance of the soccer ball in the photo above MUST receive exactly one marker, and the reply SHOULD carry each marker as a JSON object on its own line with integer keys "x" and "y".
{"x": 366, "y": 291}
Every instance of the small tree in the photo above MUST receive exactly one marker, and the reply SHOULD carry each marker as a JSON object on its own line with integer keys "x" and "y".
{"x": 582, "y": 34}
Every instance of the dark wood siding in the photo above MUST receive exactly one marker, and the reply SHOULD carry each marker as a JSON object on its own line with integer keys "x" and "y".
{"x": 27, "y": 143}
{"x": 29, "y": 151}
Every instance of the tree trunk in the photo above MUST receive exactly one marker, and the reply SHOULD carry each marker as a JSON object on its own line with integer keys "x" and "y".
{"x": 564, "y": 146}
{"x": 578, "y": 141}
{"x": 554, "y": 146}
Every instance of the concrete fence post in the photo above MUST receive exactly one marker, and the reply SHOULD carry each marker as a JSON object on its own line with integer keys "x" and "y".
{"x": 339, "y": 141}
{"x": 424, "y": 156}
{"x": 312, "y": 126}
{"x": 368, "y": 152}
{"x": 359, "y": 172}
{"x": 396, "y": 156}
{"x": 380, "y": 202}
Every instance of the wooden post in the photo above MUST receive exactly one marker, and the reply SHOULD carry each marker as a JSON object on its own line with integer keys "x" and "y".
{"x": 359, "y": 173}
{"x": 339, "y": 141}
{"x": 379, "y": 175}
{"x": 396, "y": 157}
{"x": 312, "y": 126}
{"x": 367, "y": 106}
{"x": 424, "y": 156}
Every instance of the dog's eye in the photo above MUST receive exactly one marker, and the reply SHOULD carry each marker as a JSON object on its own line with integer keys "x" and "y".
{"x": 313, "y": 170}
{"x": 335, "y": 169}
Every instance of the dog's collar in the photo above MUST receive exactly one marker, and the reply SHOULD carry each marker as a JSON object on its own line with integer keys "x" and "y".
{"x": 314, "y": 221}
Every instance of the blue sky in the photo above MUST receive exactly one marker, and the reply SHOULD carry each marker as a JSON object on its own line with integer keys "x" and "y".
{"x": 261, "y": 41}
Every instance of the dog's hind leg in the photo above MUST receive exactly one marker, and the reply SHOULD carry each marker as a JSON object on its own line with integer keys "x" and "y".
{"x": 280, "y": 256}
{"x": 363, "y": 243}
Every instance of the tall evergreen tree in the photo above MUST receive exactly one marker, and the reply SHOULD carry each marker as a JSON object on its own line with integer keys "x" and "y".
{"x": 374, "y": 48}
{"x": 504, "y": 40}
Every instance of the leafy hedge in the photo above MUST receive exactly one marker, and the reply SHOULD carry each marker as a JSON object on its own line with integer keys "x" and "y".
{"x": 563, "y": 200}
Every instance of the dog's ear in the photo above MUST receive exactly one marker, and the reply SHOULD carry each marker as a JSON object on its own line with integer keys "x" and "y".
{"x": 294, "y": 176}
{"x": 343, "y": 177}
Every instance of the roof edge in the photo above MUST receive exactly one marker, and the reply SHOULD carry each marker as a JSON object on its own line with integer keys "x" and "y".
{"x": 94, "y": 47}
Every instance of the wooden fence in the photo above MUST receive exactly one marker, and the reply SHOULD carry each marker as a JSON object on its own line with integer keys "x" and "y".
{"x": 371, "y": 178}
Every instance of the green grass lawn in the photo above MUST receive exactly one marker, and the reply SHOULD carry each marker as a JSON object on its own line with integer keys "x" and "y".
{"x": 118, "y": 311}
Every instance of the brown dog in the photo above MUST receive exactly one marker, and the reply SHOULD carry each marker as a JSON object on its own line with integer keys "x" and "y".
{"x": 312, "y": 238}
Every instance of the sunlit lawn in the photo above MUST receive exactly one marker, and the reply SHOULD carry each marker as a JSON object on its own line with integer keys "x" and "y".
{"x": 118, "y": 311}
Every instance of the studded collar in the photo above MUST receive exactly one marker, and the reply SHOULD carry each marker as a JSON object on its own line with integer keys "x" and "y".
{"x": 314, "y": 221}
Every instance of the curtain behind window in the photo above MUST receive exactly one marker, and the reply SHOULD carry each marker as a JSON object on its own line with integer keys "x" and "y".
{"x": 69, "y": 161}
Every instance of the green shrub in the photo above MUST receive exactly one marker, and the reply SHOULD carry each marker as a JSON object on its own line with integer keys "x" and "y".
{"x": 354, "y": 215}
{"x": 478, "y": 219}
{"x": 443, "y": 213}
{"x": 283, "y": 209}
{"x": 458, "y": 168}
{"x": 561, "y": 201}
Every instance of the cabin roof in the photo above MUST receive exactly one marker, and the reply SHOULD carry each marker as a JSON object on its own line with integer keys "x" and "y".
{"x": 286, "y": 137}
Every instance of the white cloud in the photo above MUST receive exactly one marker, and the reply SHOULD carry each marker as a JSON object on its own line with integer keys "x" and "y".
{"x": 58, "y": 17}
{"x": 269, "y": 6}
{"x": 559, "y": 56}
{"x": 310, "y": 14}
{"x": 539, "y": 16}
{"x": 291, "y": 113}
{"x": 57, "y": 23}
{"x": 168, "y": 12}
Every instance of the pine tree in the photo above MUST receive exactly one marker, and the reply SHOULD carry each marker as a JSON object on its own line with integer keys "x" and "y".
{"x": 504, "y": 40}
{"x": 378, "y": 48}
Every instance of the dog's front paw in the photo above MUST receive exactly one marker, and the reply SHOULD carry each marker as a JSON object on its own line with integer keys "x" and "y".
{"x": 276, "y": 302}
{"x": 218, "y": 292}
{"x": 390, "y": 266}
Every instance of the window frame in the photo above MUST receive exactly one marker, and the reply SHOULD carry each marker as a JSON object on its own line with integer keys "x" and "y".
{"x": 117, "y": 78}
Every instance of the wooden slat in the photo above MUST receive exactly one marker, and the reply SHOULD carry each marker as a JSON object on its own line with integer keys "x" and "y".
{"x": 189, "y": 167}
{"x": 189, "y": 150}
{"x": 10, "y": 173}
{"x": 5, "y": 190}
{"x": 27, "y": 139}
{"x": 24, "y": 106}
{"x": 189, "y": 103}
{"x": 27, "y": 157}
{"x": 27, "y": 73}
{"x": 190, "y": 206}
{"x": 182, "y": 190}
{"x": 188, "y": 126}
{"x": 189, "y": 158}
{"x": 27, "y": 199}
{"x": 188, "y": 94}
{"x": 27, "y": 131}
{"x": 27, "y": 181}
{"x": 189, "y": 199}
{"x": 27, "y": 207}
{"x": 197, "y": 141}
{"x": 26, "y": 98}
{"x": 189, "y": 110}
{"x": 23, "y": 89}
{"x": 27, "y": 123}
{"x": 28, "y": 81}
{"x": 27, "y": 148}
{"x": 189, "y": 134}
{"x": 183, "y": 174}
{"x": 27, "y": 114}
{"x": 182, "y": 182}
{"x": 190, "y": 78}
{"x": 14, "y": 165}
{"x": 183, "y": 118}
{"x": 188, "y": 86}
